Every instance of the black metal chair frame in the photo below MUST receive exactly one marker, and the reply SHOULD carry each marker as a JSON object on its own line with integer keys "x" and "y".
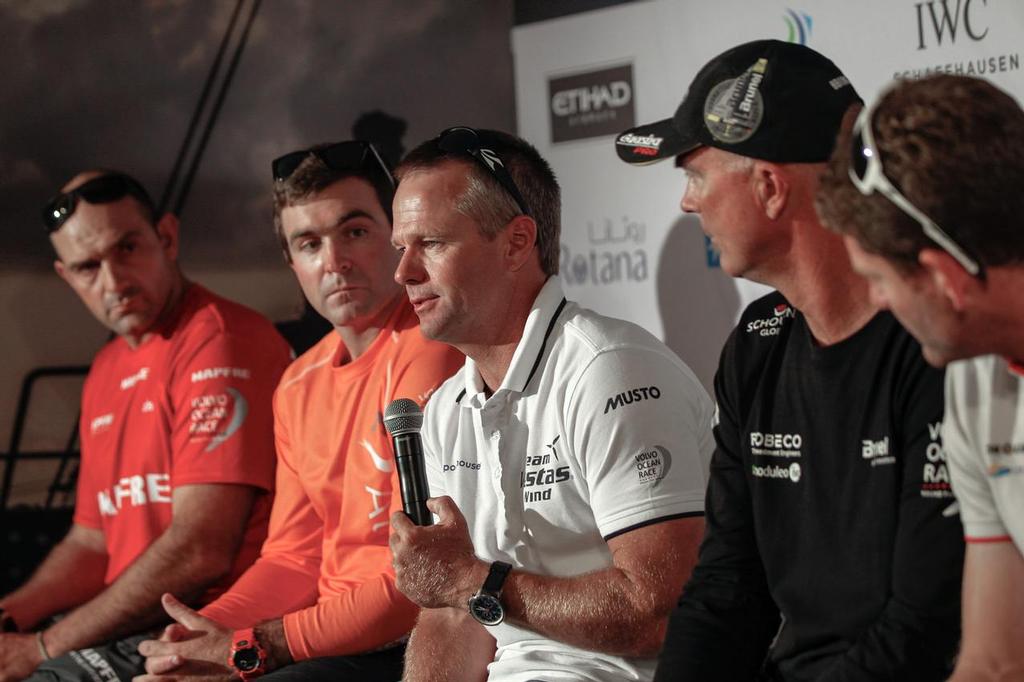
{"x": 66, "y": 457}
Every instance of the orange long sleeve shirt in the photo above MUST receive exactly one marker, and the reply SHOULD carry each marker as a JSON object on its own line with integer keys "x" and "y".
{"x": 326, "y": 565}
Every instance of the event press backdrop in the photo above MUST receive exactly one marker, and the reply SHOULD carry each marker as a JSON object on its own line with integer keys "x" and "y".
{"x": 627, "y": 251}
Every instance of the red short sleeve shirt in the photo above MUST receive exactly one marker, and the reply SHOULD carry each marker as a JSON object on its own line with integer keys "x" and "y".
{"x": 189, "y": 405}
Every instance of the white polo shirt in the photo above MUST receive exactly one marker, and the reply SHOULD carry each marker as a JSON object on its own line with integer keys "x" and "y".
{"x": 983, "y": 434}
{"x": 597, "y": 429}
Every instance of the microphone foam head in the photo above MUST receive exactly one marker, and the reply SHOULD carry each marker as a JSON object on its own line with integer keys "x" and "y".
{"x": 403, "y": 416}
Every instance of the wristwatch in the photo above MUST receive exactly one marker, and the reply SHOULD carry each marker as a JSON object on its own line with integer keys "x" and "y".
{"x": 485, "y": 606}
{"x": 247, "y": 658}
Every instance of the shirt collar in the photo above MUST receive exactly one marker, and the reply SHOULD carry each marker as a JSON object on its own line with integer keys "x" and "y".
{"x": 526, "y": 360}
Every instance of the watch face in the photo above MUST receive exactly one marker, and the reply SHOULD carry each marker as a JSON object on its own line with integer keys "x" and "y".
{"x": 247, "y": 660}
{"x": 487, "y": 609}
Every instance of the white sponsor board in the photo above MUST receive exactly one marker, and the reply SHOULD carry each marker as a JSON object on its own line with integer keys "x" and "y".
{"x": 627, "y": 249}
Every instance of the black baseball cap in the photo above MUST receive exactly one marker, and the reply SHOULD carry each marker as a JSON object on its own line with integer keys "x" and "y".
{"x": 766, "y": 99}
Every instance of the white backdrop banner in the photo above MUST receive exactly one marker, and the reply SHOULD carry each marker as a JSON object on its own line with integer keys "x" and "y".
{"x": 627, "y": 251}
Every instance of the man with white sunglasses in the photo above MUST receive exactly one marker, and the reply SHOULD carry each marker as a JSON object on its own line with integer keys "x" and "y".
{"x": 927, "y": 191}
{"x": 829, "y": 552}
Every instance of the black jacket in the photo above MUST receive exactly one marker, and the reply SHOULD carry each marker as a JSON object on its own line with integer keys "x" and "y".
{"x": 828, "y": 504}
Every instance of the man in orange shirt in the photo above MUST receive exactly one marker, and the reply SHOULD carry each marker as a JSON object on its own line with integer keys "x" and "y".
{"x": 321, "y": 599}
{"x": 177, "y": 461}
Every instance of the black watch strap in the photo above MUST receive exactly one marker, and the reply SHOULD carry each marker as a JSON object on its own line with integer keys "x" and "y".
{"x": 496, "y": 577}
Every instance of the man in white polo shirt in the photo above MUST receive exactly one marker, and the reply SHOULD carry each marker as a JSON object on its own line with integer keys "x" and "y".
{"x": 567, "y": 460}
{"x": 926, "y": 189}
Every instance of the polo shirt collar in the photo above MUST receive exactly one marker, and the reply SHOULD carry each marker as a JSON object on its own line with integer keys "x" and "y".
{"x": 540, "y": 324}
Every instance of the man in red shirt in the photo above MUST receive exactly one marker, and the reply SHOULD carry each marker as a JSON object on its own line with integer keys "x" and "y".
{"x": 177, "y": 456}
{"x": 321, "y": 601}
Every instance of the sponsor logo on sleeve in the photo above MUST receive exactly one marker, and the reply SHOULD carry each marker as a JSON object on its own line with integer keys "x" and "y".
{"x": 130, "y": 381}
{"x": 1005, "y": 459}
{"x": 652, "y": 464}
{"x": 935, "y": 474}
{"x": 220, "y": 373}
{"x": 101, "y": 423}
{"x": 217, "y": 416}
{"x": 635, "y": 395}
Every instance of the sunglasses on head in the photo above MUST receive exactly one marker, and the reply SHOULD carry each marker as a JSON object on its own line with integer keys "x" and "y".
{"x": 867, "y": 176}
{"x": 341, "y": 156}
{"x": 104, "y": 189}
{"x": 463, "y": 140}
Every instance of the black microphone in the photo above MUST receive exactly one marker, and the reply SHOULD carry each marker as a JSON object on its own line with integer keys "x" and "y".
{"x": 403, "y": 419}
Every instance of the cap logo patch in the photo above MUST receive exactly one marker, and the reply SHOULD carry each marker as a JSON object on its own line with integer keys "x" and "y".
{"x": 644, "y": 145}
{"x": 734, "y": 108}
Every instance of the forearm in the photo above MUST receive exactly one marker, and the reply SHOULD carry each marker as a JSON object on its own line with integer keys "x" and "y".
{"x": 269, "y": 589}
{"x": 371, "y": 615}
{"x": 69, "y": 576}
{"x": 448, "y": 644}
{"x": 620, "y": 609}
{"x": 602, "y": 611}
{"x": 993, "y": 614}
{"x": 175, "y": 563}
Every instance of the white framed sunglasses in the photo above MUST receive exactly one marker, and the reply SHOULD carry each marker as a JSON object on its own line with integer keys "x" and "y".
{"x": 867, "y": 176}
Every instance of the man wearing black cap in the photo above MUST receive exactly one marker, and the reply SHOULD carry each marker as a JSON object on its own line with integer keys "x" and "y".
{"x": 832, "y": 547}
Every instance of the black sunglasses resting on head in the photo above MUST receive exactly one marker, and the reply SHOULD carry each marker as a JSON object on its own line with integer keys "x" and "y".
{"x": 341, "y": 156}
{"x": 104, "y": 189}
{"x": 464, "y": 140}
